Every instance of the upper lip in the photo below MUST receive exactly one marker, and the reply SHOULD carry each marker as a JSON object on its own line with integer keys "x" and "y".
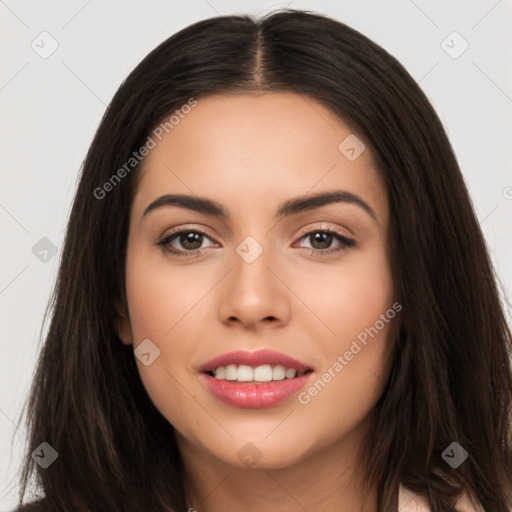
{"x": 254, "y": 358}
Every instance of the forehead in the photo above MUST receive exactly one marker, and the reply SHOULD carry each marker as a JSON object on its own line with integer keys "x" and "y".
{"x": 252, "y": 149}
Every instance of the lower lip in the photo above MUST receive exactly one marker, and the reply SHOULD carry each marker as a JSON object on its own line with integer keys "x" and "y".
{"x": 254, "y": 396}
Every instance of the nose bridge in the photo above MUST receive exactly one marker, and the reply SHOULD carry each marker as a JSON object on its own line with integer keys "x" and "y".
{"x": 252, "y": 292}
{"x": 251, "y": 273}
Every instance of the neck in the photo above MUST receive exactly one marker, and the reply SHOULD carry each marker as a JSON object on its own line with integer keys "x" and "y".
{"x": 327, "y": 480}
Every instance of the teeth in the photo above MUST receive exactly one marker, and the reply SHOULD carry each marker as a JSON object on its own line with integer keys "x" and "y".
{"x": 220, "y": 373}
{"x": 290, "y": 373}
{"x": 231, "y": 372}
{"x": 245, "y": 373}
{"x": 278, "y": 372}
{"x": 264, "y": 373}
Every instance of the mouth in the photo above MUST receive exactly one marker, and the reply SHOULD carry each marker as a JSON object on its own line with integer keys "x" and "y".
{"x": 256, "y": 375}
{"x": 254, "y": 380}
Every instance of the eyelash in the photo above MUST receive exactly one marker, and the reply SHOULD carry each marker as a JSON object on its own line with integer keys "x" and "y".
{"x": 345, "y": 242}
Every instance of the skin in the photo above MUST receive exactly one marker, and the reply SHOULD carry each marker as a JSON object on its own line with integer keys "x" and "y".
{"x": 250, "y": 153}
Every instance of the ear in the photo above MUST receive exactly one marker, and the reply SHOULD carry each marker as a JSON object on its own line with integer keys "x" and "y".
{"x": 122, "y": 324}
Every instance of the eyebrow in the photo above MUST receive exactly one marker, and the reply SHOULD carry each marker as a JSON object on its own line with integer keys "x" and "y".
{"x": 289, "y": 207}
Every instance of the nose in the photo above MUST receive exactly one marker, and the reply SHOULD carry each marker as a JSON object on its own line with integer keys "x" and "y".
{"x": 254, "y": 294}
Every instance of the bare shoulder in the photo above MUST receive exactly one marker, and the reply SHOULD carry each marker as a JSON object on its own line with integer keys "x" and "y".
{"x": 409, "y": 501}
{"x": 467, "y": 503}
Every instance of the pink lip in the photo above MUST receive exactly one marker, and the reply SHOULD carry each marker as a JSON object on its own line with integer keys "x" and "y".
{"x": 254, "y": 396}
{"x": 257, "y": 358}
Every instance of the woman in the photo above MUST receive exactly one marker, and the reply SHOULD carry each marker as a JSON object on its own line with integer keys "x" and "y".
{"x": 274, "y": 292}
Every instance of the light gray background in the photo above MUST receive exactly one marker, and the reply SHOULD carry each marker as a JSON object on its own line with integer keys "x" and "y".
{"x": 50, "y": 109}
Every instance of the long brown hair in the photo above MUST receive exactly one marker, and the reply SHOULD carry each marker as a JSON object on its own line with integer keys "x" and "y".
{"x": 451, "y": 378}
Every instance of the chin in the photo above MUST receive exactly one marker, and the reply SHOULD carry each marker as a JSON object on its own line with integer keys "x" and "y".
{"x": 259, "y": 454}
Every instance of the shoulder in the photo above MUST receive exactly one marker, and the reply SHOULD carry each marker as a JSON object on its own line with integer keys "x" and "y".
{"x": 409, "y": 501}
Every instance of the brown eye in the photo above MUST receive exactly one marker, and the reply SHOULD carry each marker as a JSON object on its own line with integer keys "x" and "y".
{"x": 321, "y": 241}
{"x": 190, "y": 240}
{"x": 186, "y": 242}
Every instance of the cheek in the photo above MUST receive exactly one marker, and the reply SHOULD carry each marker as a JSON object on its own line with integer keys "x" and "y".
{"x": 347, "y": 297}
{"x": 160, "y": 295}
{"x": 164, "y": 303}
{"x": 355, "y": 306}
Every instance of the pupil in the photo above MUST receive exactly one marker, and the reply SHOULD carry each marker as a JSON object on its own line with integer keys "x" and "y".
{"x": 325, "y": 243}
{"x": 189, "y": 239}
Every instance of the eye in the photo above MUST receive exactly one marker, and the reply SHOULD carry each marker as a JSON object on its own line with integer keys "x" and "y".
{"x": 321, "y": 240}
{"x": 191, "y": 241}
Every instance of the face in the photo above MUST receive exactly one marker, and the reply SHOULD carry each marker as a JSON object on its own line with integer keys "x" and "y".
{"x": 277, "y": 273}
